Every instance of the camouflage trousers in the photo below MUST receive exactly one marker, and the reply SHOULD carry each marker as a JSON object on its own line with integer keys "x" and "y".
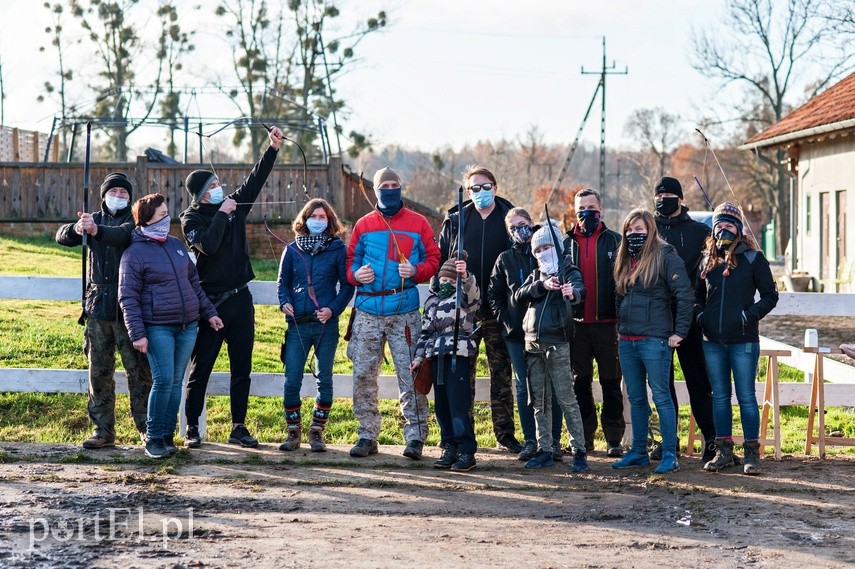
{"x": 100, "y": 341}
{"x": 549, "y": 368}
{"x": 501, "y": 383}
{"x": 365, "y": 350}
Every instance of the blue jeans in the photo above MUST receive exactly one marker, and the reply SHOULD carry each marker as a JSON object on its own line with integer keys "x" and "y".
{"x": 741, "y": 361}
{"x": 516, "y": 349}
{"x": 298, "y": 341}
{"x": 169, "y": 349}
{"x": 644, "y": 361}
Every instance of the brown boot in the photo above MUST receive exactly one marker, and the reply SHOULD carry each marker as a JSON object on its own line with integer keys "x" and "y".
{"x": 316, "y": 440}
{"x": 98, "y": 440}
{"x": 293, "y": 440}
{"x": 752, "y": 457}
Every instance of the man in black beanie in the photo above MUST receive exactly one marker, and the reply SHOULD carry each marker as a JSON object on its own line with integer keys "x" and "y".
{"x": 215, "y": 229}
{"x": 109, "y": 233}
{"x": 688, "y": 237}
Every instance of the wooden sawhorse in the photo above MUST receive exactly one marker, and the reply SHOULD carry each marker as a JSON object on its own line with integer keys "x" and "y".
{"x": 771, "y": 401}
{"x": 817, "y": 406}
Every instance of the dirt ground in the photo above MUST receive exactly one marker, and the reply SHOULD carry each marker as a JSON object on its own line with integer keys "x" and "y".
{"x": 260, "y": 508}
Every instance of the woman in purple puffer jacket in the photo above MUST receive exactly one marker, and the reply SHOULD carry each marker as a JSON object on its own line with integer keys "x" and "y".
{"x": 162, "y": 303}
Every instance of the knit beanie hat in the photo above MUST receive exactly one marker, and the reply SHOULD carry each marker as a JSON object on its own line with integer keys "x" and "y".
{"x": 386, "y": 175}
{"x": 669, "y": 185}
{"x": 448, "y": 268}
{"x": 197, "y": 183}
{"x": 729, "y": 213}
{"x": 543, "y": 237}
{"x": 117, "y": 180}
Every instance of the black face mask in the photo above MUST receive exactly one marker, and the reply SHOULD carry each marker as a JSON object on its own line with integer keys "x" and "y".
{"x": 635, "y": 242}
{"x": 667, "y": 206}
{"x": 589, "y": 220}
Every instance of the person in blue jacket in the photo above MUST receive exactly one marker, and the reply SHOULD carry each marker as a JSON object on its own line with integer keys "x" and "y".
{"x": 313, "y": 292}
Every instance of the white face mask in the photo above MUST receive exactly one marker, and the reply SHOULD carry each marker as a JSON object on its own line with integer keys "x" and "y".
{"x": 547, "y": 261}
{"x": 114, "y": 204}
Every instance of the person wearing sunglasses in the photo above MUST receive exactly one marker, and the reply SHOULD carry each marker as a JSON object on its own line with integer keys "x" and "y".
{"x": 485, "y": 237}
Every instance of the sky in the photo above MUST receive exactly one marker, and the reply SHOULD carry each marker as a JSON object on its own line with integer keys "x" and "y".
{"x": 444, "y": 73}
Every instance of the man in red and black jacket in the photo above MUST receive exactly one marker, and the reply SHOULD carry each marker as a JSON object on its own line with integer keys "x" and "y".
{"x": 593, "y": 248}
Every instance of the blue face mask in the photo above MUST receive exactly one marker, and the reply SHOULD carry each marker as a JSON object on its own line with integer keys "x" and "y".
{"x": 483, "y": 199}
{"x": 316, "y": 226}
{"x": 216, "y": 195}
{"x": 157, "y": 230}
{"x": 388, "y": 201}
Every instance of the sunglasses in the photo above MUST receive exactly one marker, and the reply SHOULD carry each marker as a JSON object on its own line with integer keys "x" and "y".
{"x": 478, "y": 187}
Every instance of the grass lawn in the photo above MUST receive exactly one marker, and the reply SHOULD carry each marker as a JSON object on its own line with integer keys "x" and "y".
{"x": 42, "y": 334}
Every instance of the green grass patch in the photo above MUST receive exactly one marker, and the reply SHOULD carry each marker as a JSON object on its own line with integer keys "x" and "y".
{"x": 40, "y": 256}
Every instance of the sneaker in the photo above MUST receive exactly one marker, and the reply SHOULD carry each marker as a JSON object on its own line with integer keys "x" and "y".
{"x": 169, "y": 444}
{"x": 292, "y": 442}
{"x": 528, "y": 451}
{"x": 557, "y": 455}
{"x": 448, "y": 458}
{"x": 631, "y": 459}
{"x": 512, "y": 444}
{"x": 155, "y": 448}
{"x": 709, "y": 451}
{"x": 414, "y": 450}
{"x": 543, "y": 459}
{"x": 656, "y": 451}
{"x": 614, "y": 451}
{"x": 580, "y": 462}
{"x": 192, "y": 438}
{"x": 364, "y": 447}
{"x": 668, "y": 463}
{"x": 465, "y": 463}
{"x": 240, "y": 436}
{"x": 98, "y": 440}
{"x": 316, "y": 440}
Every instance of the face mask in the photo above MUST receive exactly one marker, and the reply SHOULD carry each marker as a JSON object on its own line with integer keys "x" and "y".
{"x": 114, "y": 204}
{"x": 724, "y": 238}
{"x": 547, "y": 261}
{"x": 446, "y": 290}
{"x": 316, "y": 226}
{"x": 483, "y": 199}
{"x": 589, "y": 220}
{"x": 635, "y": 242}
{"x": 157, "y": 230}
{"x": 667, "y": 206}
{"x": 521, "y": 234}
{"x": 215, "y": 195}
{"x": 389, "y": 201}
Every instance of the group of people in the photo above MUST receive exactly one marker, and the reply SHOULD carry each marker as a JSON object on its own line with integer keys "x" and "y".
{"x": 547, "y": 306}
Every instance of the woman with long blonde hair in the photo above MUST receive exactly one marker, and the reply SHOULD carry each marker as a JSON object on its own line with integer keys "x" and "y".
{"x": 649, "y": 275}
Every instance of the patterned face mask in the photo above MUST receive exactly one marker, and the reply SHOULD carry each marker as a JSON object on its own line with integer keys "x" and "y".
{"x": 589, "y": 219}
{"x": 521, "y": 234}
{"x": 446, "y": 290}
{"x": 724, "y": 238}
{"x": 635, "y": 243}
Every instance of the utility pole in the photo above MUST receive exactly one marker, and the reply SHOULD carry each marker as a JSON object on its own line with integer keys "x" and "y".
{"x": 605, "y": 70}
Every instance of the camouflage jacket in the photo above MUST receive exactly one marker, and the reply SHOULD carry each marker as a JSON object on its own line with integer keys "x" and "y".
{"x": 437, "y": 335}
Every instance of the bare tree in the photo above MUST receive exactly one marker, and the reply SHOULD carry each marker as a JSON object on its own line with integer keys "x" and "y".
{"x": 657, "y": 131}
{"x": 767, "y": 47}
{"x": 173, "y": 45}
{"x": 65, "y": 74}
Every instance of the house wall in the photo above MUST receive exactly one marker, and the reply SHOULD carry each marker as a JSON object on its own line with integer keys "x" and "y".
{"x": 827, "y": 167}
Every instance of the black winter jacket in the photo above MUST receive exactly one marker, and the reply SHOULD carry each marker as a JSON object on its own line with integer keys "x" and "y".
{"x": 105, "y": 252}
{"x": 158, "y": 284}
{"x": 646, "y": 311}
{"x": 483, "y": 250}
{"x": 219, "y": 240}
{"x": 729, "y": 313}
{"x": 549, "y": 316}
{"x": 511, "y": 269}
{"x": 688, "y": 236}
{"x": 608, "y": 242}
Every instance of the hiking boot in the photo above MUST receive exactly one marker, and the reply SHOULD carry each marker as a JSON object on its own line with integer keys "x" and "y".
{"x": 631, "y": 459}
{"x": 656, "y": 451}
{"x": 752, "y": 457}
{"x": 240, "y": 436}
{"x": 414, "y": 450}
{"x": 192, "y": 438}
{"x": 709, "y": 451}
{"x": 97, "y": 440}
{"x": 155, "y": 448}
{"x": 723, "y": 456}
{"x": 169, "y": 444}
{"x": 668, "y": 463}
{"x": 542, "y": 459}
{"x": 363, "y": 448}
{"x": 465, "y": 463}
{"x": 614, "y": 450}
{"x": 512, "y": 444}
{"x": 580, "y": 462}
{"x": 528, "y": 451}
{"x": 316, "y": 440}
{"x": 448, "y": 458}
{"x": 292, "y": 442}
